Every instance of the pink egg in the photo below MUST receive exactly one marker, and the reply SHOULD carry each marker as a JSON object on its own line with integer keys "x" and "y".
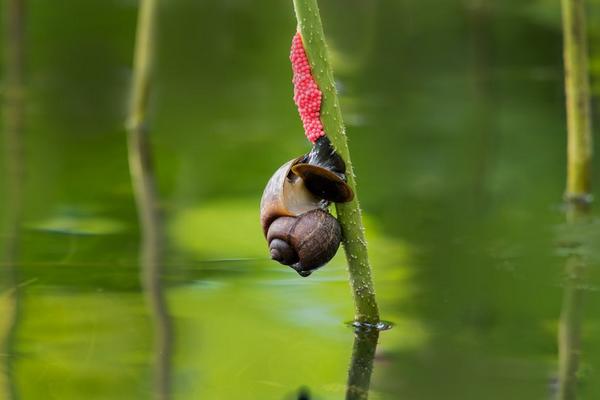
{"x": 307, "y": 95}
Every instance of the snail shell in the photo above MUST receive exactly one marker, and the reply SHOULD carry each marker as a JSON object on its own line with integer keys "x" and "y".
{"x": 286, "y": 195}
{"x": 306, "y": 242}
{"x": 293, "y": 210}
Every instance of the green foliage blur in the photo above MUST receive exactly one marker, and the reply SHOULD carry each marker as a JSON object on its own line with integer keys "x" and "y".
{"x": 455, "y": 116}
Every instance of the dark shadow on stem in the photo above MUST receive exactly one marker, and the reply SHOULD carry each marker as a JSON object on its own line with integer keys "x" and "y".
{"x": 361, "y": 364}
{"x": 13, "y": 124}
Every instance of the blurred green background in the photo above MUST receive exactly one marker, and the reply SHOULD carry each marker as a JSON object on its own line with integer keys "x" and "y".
{"x": 455, "y": 116}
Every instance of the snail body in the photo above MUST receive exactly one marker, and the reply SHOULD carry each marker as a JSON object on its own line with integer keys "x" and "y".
{"x": 294, "y": 209}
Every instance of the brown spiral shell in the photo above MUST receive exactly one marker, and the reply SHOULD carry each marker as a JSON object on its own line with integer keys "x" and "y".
{"x": 293, "y": 210}
{"x": 306, "y": 242}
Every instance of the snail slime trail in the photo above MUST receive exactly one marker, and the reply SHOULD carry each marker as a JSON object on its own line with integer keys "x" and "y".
{"x": 294, "y": 209}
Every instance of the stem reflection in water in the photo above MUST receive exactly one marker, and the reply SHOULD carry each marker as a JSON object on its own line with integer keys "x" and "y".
{"x": 571, "y": 317}
{"x": 144, "y": 185}
{"x": 361, "y": 364}
{"x": 151, "y": 259}
{"x": 13, "y": 122}
{"x": 578, "y": 193}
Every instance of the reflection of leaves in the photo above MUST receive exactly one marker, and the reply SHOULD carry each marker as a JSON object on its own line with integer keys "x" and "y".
{"x": 545, "y": 12}
{"x": 595, "y": 71}
{"x": 81, "y": 345}
{"x": 230, "y": 229}
{"x": 8, "y": 304}
{"x": 579, "y": 239}
{"x": 78, "y": 223}
{"x": 224, "y": 229}
{"x": 249, "y": 338}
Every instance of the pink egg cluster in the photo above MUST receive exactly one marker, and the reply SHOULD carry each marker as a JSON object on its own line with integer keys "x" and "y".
{"x": 307, "y": 95}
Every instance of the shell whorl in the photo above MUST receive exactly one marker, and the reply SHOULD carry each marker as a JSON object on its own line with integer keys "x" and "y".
{"x": 293, "y": 210}
{"x": 306, "y": 242}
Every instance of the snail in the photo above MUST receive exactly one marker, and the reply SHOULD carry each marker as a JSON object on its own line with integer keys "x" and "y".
{"x": 294, "y": 208}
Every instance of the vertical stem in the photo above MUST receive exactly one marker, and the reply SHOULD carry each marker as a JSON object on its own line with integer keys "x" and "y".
{"x": 479, "y": 63}
{"x": 146, "y": 196}
{"x": 139, "y": 154}
{"x": 577, "y": 88}
{"x": 569, "y": 330}
{"x": 13, "y": 124}
{"x": 571, "y": 316}
{"x": 151, "y": 258}
{"x": 578, "y": 191}
{"x": 14, "y": 99}
{"x": 140, "y": 162}
{"x": 361, "y": 365}
{"x": 349, "y": 214}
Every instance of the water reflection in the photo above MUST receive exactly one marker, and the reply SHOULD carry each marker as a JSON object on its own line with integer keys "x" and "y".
{"x": 146, "y": 196}
{"x": 475, "y": 279}
{"x": 151, "y": 261}
{"x": 360, "y": 369}
{"x": 361, "y": 364}
{"x": 13, "y": 112}
{"x": 571, "y": 316}
{"x": 480, "y": 90}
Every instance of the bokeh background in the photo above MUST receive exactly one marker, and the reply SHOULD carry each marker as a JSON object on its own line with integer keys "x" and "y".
{"x": 455, "y": 116}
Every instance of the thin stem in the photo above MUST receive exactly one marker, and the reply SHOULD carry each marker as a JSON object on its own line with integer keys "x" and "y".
{"x": 151, "y": 258}
{"x": 579, "y": 159}
{"x": 349, "y": 214}
{"x": 361, "y": 365}
{"x": 569, "y": 336}
{"x": 577, "y": 88}
{"x": 146, "y": 196}
{"x": 139, "y": 154}
{"x": 14, "y": 120}
{"x": 571, "y": 316}
{"x": 140, "y": 162}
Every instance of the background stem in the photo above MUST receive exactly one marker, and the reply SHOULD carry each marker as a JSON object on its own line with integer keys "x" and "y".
{"x": 140, "y": 162}
{"x": 571, "y": 315}
{"x": 361, "y": 364}
{"x": 349, "y": 214}
{"x": 579, "y": 159}
{"x": 146, "y": 197}
{"x": 577, "y": 88}
{"x": 13, "y": 112}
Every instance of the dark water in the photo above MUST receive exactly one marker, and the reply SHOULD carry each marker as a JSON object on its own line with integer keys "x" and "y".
{"x": 455, "y": 113}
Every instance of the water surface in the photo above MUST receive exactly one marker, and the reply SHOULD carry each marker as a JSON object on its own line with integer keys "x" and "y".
{"x": 455, "y": 114}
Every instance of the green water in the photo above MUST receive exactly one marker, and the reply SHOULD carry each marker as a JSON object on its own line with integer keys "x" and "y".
{"x": 455, "y": 114}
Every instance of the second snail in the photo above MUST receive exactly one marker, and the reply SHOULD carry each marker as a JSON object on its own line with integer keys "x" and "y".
{"x": 294, "y": 208}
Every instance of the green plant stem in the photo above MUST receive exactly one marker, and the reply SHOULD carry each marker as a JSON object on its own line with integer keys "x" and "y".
{"x": 571, "y": 315}
{"x": 361, "y": 364}
{"x": 578, "y": 191}
{"x": 349, "y": 214}
{"x": 138, "y": 144}
{"x": 579, "y": 158}
{"x": 577, "y": 88}
{"x": 569, "y": 329}
{"x": 146, "y": 197}
{"x": 13, "y": 113}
